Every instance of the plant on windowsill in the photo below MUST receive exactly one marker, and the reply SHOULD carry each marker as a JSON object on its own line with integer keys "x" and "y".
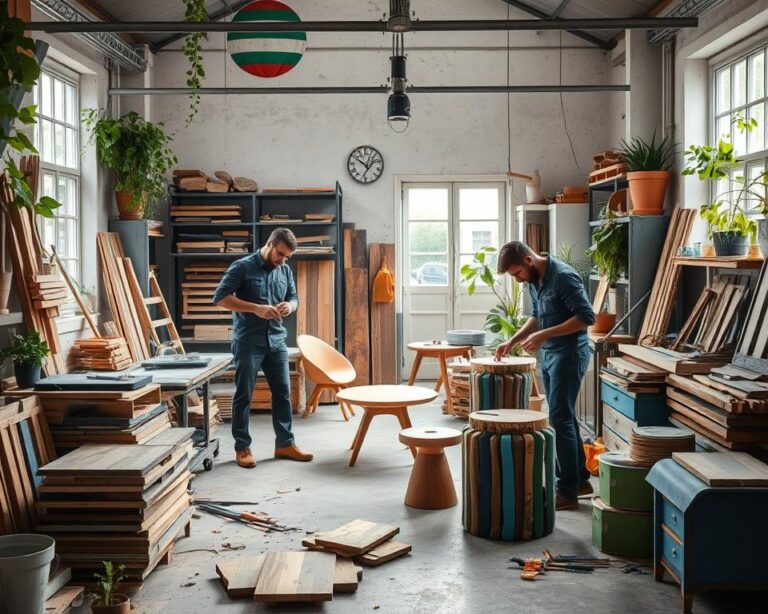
{"x": 28, "y": 353}
{"x": 137, "y": 152}
{"x": 728, "y": 223}
{"x": 610, "y": 255}
{"x": 504, "y": 319}
{"x": 107, "y": 600}
{"x": 648, "y": 172}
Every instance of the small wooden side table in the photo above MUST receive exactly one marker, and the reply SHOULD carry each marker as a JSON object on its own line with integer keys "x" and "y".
{"x": 442, "y": 351}
{"x": 383, "y": 399}
{"x": 431, "y": 484}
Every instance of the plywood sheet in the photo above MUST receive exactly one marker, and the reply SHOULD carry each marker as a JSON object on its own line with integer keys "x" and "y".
{"x": 296, "y": 576}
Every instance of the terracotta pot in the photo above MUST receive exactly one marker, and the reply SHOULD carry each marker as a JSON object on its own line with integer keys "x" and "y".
{"x": 754, "y": 252}
{"x": 647, "y": 190}
{"x": 604, "y": 322}
{"x": 5, "y": 290}
{"x": 128, "y": 211}
{"x": 121, "y": 604}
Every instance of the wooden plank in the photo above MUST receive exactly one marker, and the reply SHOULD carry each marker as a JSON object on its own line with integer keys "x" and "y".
{"x": 316, "y": 314}
{"x": 693, "y": 319}
{"x": 716, "y": 397}
{"x": 755, "y": 316}
{"x": 383, "y": 326}
{"x": 357, "y": 338}
{"x": 357, "y": 537}
{"x": 387, "y": 551}
{"x": 295, "y": 576}
{"x": 63, "y": 599}
{"x": 346, "y": 576}
{"x": 240, "y": 575}
{"x": 724, "y": 468}
{"x": 111, "y": 460}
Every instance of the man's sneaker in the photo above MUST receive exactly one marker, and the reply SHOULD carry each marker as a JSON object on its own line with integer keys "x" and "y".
{"x": 585, "y": 489}
{"x": 244, "y": 458}
{"x": 565, "y": 503}
{"x": 293, "y": 453}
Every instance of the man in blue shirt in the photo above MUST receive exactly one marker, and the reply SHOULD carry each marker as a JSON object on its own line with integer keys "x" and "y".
{"x": 561, "y": 314}
{"x": 260, "y": 290}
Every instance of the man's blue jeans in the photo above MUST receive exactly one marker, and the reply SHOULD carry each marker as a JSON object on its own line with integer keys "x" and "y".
{"x": 274, "y": 362}
{"x": 562, "y": 372}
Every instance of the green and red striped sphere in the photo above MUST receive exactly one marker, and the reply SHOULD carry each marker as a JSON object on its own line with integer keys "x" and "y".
{"x": 266, "y": 54}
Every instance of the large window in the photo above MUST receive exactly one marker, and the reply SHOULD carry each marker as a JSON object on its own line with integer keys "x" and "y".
{"x": 57, "y": 140}
{"x": 740, "y": 91}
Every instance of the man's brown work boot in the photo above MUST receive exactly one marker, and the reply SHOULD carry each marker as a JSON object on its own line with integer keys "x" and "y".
{"x": 244, "y": 458}
{"x": 293, "y": 453}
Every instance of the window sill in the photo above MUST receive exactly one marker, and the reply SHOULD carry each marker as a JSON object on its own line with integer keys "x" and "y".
{"x": 9, "y": 319}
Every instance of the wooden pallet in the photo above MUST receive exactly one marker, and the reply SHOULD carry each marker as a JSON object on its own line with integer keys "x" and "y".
{"x": 609, "y": 172}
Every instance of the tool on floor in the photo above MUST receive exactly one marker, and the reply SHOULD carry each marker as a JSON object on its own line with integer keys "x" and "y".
{"x": 547, "y": 565}
{"x": 255, "y": 518}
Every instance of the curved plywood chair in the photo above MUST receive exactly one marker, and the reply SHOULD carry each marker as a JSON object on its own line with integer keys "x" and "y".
{"x": 328, "y": 369}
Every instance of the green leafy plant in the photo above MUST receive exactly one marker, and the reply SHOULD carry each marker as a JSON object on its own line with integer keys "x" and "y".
{"x": 640, "y": 155}
{"x": 194, "y": 12}
{"x": 108, "y": 583}
{"x": 722, "y": 218}
{"x": 610, "y": 247}
{"x": 137, "y": 151}
{"x": 26, "y": 349}
{"x": 504, "y": 319}
{"x": 565, "y": 253}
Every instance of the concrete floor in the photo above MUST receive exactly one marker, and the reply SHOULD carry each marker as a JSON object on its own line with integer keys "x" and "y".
{"x": 448, "y": 570}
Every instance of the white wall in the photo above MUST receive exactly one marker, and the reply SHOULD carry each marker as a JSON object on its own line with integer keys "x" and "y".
{"x": 284, "y": 141}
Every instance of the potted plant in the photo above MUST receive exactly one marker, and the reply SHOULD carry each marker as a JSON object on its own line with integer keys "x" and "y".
{"x": 28, "y": 353}
{"x": 610, "y": 255}
{"x": 729, "y": 228}
{"x": 504, "y": 319}
{"x": 107, "y": 600}
{"x": 139, "y": 154}
{"x": 648, "y": 172}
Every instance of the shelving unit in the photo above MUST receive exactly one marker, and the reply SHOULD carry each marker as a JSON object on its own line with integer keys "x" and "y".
{"x": 254, "y": 205}
{"x": 600, "y": 192}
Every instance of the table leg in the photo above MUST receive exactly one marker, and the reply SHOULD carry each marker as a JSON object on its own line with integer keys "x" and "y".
{"x": 183, "y": 417}
{"x": 405, "y": 422}
{"x": 206, "y": 413}
{"x": 439, "y": 382}
{"x": 414, "y": 368}
{"x": 365, "y": 422}
{"x": 446, "y": 386}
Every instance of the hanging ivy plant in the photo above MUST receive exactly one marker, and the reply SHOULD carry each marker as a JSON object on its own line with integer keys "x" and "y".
{"x": 194, "y": 12}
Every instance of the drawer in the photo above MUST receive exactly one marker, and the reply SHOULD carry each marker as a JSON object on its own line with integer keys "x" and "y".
{"x": 673, "y": 518}
{"x": 642, "y": 408}
{"x": 613, "y": 441}
{"x": 672, "y": 552}
{"x": 620, "y": 400}
{"x": 617, "y": 422}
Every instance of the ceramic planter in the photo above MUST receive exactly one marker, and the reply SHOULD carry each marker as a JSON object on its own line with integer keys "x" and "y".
{"x": 604, "y": 322}
{"x": 128, "y": 211}
{"x": 647, "y": 190}
{"x": 762, "y": 236}
{"x": 27, "y": 374}
{"x": 121, "y": 604}
{"x": 730, "y": 243}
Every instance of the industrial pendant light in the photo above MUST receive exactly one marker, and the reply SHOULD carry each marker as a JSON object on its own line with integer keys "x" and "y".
{"x": 398, "y": 105}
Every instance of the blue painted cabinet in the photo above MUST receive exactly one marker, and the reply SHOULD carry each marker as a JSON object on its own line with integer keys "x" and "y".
{"x": 622, "y": 410}
{"x": 707, "y": 537}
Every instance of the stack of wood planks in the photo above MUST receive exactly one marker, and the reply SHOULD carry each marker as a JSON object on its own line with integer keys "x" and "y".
{"x": 368, "y": 543}
{"x": 196, "y": 418}
{"x": 195, "y": 180}
{"x": 48, "y": 291}
{"x": 201, "y": 213}
{"x": 458, "y": 387}
{"x": 357, "y": 331}
{"x": 197, "y": 307}
{"x": 223, "y": 392}
{"x": 664, "y": 292}
{"x": 682, "y": 363}
{"x": 100, "y": 354}
{"x": 124, "y": 504}
{"x": 633, "y": 375}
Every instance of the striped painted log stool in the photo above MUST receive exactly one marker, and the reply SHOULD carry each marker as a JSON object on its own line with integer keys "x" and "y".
{"x": 508, "y": 383}
{"x": 431, "y": 485}
{"x": 508, "y": 475}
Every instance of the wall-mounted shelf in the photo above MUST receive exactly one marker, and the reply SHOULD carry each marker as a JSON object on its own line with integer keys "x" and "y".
{"x": 721, "y": 262}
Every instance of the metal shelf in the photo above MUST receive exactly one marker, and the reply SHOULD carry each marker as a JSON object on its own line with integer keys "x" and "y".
{"x": 211, "y": 255}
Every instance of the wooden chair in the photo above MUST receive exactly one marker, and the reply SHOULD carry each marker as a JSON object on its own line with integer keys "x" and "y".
{"x": 329, "y": 369}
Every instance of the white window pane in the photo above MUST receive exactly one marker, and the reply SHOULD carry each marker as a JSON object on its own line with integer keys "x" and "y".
{"x": 59, "y": 145}
{"x": 71, "y": 266}
{"x": 71, "y": 240}
{"x": 739, "y": 142}
{"x": 48, "y": 231}
{"x": 757, "y": 185}
{"x": 428, "y": 204}
{"x": 61, "y": 193}
{"x": 756, "y": 138}
{"x": 723, "y": 80}
{"x": 722, "y": 190}
{"x": 48, "y": 185}
{"x": 757, "y": 76}
{"x": 428, "y": 237}
{"x": 478, "y": 203}
{"x": 72, "y": 196}
{"x": 71, "y": 158}
{"x": 723, "y": 128}
{"x": 45, "y": 102}
{"x": 475, "y": 235}
{"x": 72, "y": 109}
{"x": 47, "y": 149}
{"x": 740, "y": 83}
{"x": 429, "y": 270}
{"x": 58, "y": 100}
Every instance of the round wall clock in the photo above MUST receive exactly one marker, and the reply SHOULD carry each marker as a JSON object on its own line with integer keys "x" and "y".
{"x": 365, "y": 164}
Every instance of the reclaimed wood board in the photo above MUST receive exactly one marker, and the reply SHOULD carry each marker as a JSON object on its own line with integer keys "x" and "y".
{"x": 383, "y": 325}
{"x": 356, "y": 537}
{"x": 316, "y": 314}
{"x": 752, "y": 347}
{"x": 382, "y": 553}
{"x": 295, "y": 577}
{"x": 240, "y": 575}
{"x": 63, "y": 599}
{"x": 109, "y": 460}
{"x": 724, "y": 468}
{"x": 357, "y": 338}
{"x": 346, "y": 576}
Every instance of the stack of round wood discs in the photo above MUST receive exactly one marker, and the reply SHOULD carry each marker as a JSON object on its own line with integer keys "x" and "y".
{"x": 508, "y": 473}
{"x": 648, "y": 444}
{"x": 504, "y": 383}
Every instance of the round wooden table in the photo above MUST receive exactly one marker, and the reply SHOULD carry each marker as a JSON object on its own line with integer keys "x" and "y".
{"x": 383, "y": 399}
{"x": 431, "y": 485}
{"x": 442, "y": 351}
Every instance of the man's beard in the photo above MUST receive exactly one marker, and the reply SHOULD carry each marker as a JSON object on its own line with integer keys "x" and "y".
{"x": 533, "y": 275}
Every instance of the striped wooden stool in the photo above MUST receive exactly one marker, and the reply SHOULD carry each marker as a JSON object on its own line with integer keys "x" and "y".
{"x": 508, "y": 471}
{"x": 508, "y": 383}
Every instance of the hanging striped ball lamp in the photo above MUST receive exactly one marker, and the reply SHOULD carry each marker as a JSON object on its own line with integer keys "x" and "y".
{"x": 266, "y": 54}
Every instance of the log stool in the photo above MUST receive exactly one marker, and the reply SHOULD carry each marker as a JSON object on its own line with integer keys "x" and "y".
{"x": 431, "y": 485}
{"x": 508, "y": 474}
{"x": 509, "y": 383}
{"x": 442, "y": 351}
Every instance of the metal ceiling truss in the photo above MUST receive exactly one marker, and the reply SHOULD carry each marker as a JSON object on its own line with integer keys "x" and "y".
{"x": 108, "y": 44}
{"x": 686, "y": 9}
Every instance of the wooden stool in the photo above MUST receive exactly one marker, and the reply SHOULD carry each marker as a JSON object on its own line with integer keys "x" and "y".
{"x": 441, "y": 351}
{"x": 383, "y": 399}
{"x": 509, "y": 383}
{"x": 431, "y": 485}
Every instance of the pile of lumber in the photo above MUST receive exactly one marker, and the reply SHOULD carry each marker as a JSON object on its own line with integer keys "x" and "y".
{"x": 572, "y": 194}
{"x": 607, "y": 165}
{"x": 633, "y": 375}
{"x": 650, "y": 444}
{"x": 100, "y": 354}
{"x": 710, "y": 406}
{"x": 682, "y": 363}
{"x": 262, "y": 396}
{"x": 124, "y": 504}
{"x": 31, "y": 269}
{"x": 315, "y": 244}
{"x": 223, "y": 392}
{"x": 195, "y": 180}
{"x": 458, "y": 387}
{"x": 196, "y": 418}
{"x": 237, "y": 241}
{"x": 48, "y": 291}
{"x": 212, "y": 332}
{"x": 206, "y": 213}
{"x": 664, "y": 292}
{"x": 197, "y": 307}
{"x": 715, "y": 315}
{"x": 368, "y": 543}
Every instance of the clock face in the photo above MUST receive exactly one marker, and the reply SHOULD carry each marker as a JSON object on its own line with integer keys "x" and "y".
{"x": 365, "y": 164}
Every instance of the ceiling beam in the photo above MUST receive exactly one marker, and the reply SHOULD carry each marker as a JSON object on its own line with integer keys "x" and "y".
{"x": 101, "y": 13}
{"x": 228, "y": 10}
{"x": 183, "y": 27}
{"x": 559, "y": 10}
{"x": 590, "y": 38}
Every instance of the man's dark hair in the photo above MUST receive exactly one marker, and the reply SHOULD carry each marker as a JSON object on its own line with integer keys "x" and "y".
{"x": 285, "y": 236}
{"x": 512, "y": 254}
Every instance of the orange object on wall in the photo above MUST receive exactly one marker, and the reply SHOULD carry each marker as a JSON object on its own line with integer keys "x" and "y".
{"x": 384, "y": 284}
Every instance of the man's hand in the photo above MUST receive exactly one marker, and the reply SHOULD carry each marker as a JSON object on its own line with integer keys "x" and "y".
{"x": 266, "y": 312}
{"x": 284, "y": 309}
{"x": 504, "y": 348}
{"x": 534, "y": 341}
